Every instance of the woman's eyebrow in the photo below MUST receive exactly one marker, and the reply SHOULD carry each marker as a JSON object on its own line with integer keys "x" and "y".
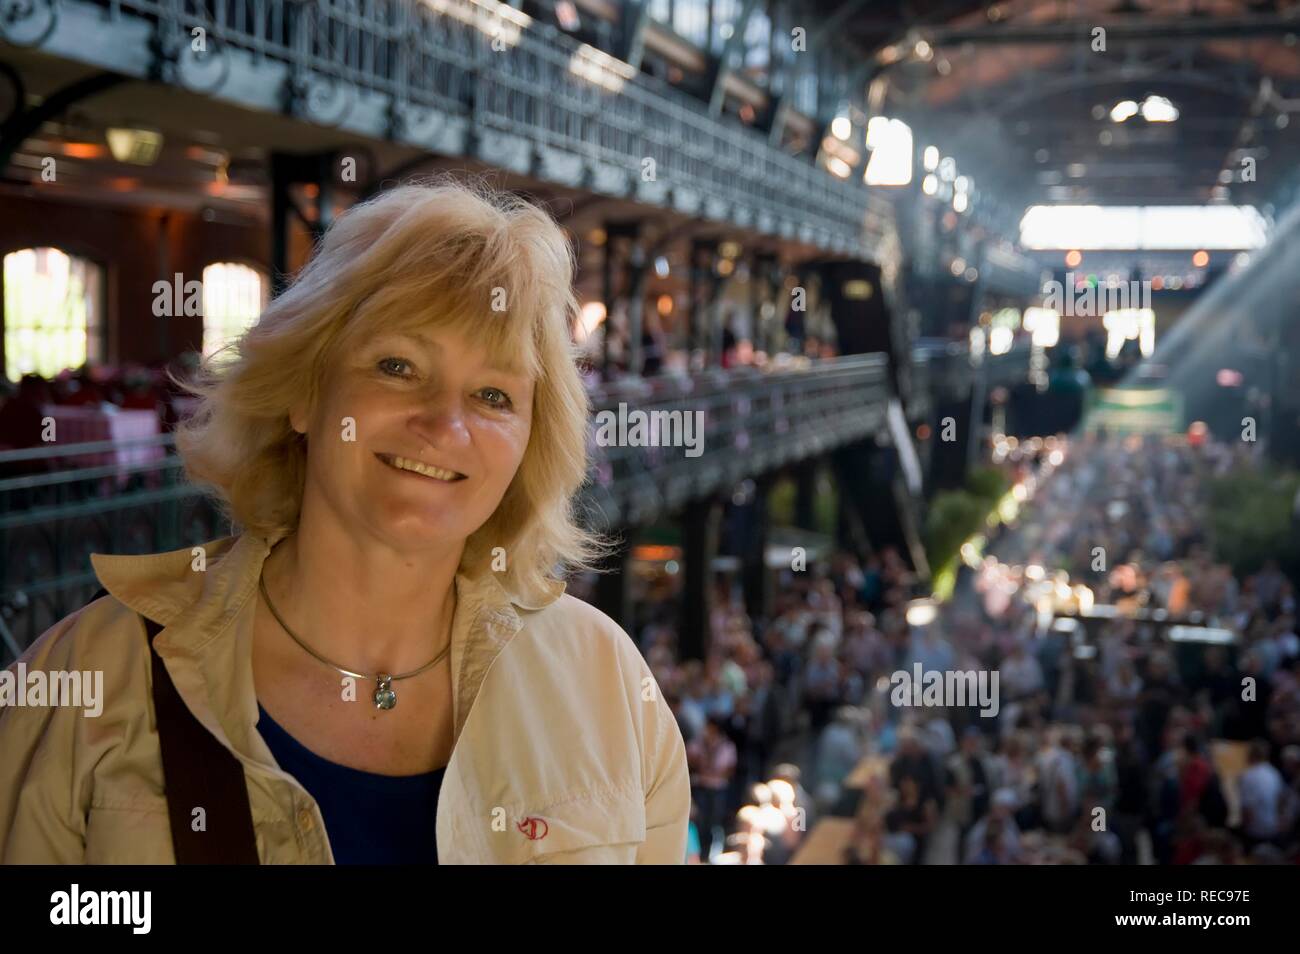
{"x": 419, "y": 338}
{"x": 414, "y": 337}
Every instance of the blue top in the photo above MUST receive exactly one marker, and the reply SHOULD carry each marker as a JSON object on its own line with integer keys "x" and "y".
{"x": 370, "y": 819}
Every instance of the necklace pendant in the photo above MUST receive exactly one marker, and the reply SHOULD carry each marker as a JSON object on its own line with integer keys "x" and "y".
{"x": 385, "y": 696}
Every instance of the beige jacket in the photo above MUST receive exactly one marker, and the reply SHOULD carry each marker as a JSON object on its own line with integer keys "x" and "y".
{"x": 556, "y": 718}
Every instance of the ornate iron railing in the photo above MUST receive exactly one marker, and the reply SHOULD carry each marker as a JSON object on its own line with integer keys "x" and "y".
{"x": 466, "y": 77}
{"x": 751, "y": 421}
{"x": 52, "y": 520}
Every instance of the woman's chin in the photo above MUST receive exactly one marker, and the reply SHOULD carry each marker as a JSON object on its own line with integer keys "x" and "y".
{"x": 422, "y": 525}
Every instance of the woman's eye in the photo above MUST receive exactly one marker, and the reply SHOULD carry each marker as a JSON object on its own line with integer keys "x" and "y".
{"x": 496, "y": 397}
{"x": 393, "y": 366}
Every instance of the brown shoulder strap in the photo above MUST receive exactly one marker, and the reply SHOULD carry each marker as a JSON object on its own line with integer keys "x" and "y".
{"x": 199, "y": 772}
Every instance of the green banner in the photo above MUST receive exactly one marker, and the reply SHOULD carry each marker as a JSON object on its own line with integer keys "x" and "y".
{"x": 1135, "y": 411}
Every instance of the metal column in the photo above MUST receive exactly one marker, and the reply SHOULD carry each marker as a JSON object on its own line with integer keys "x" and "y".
{"x": 699, "y": 544}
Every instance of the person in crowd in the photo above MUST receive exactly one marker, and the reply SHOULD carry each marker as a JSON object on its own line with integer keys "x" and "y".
{"x": 1097, "y": 782}
{"x": 910, "y": 822}
{"x": 822, "y": 681}
{"x": 1261, "y": 792}
{"x": 1021, "y": 674}
{"x": 968, "y": 783}
{"x": 915, "y": 762}
{"x": 839, "y": 750}
{"x": 1058, "y": 780}
{"x": 995, "y": 837}
{"x": 712, "y": 760}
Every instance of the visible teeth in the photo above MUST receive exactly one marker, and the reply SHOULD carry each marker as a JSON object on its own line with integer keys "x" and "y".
{"x": 414, "y": 465}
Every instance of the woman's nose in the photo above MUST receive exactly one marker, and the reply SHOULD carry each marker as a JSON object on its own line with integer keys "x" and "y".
{"x": 439, "y": 420}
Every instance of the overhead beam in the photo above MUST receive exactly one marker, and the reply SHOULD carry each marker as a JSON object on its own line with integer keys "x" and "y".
{"x": 828, "y": 27}
{"x": 832, "y": 24}
{"x": 24, "y": 123}
{"x": 636, "y": 16}
{"x": 722, "y": 66}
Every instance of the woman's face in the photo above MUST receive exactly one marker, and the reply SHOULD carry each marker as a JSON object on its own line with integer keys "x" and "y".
{"x": 430, "y": 398}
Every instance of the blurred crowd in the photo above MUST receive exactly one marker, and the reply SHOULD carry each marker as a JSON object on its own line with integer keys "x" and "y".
{"x": 1112, "y": 742}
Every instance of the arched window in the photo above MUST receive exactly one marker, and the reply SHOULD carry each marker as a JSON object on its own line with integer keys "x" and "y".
{"x": 53, "y": 312}
{"x": 233, "y": 298}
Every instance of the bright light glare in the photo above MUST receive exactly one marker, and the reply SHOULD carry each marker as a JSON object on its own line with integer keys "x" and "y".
{"x": 593, "y": 313}
{"x": 931, "y": 158}
{"x": 930, "y": 185}
{"x": 960, "y": 202}
{"x": 891, "y": 155}
{"x": 1045, "y": 326}
{"x": 877, "y": 128}
{"x": 1126, "y": 324}
{"x": 1123, "y": 110}
{"x": 498, "y": 20}
{"x": 598, "y": 67}
{"x": 1000, "y": 340}
{"x": 1157, "y": 109}
{"x": 921, "y": 613}
{"x": 1165, "y": 227}
{"x": 841, "y": 128}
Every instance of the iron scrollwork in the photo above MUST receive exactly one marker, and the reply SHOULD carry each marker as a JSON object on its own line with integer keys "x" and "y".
{"x": 28, "y": 23}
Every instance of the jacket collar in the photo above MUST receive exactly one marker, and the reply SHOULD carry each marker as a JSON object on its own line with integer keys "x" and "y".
{"x": 199, "y": 603}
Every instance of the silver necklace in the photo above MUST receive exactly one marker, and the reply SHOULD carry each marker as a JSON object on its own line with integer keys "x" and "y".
{"x": 385, "y": 696}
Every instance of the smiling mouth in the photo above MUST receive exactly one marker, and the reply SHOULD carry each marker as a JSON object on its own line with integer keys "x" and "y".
{"x": 424, "y": 470}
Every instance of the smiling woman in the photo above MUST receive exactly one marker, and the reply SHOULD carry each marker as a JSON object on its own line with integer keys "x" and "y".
{"x": 393, "y": 278}
{"x": 384, "y": 660}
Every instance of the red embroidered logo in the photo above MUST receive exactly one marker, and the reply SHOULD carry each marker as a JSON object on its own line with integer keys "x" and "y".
{"x": 533, "y": 828}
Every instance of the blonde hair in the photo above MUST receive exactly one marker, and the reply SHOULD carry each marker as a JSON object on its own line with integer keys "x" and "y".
{"x": 428, "y": 252}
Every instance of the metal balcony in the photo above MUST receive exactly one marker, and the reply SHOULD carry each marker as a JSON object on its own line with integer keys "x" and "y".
{"x": 467, "y": 78}
{"x": 752, "y": 422}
